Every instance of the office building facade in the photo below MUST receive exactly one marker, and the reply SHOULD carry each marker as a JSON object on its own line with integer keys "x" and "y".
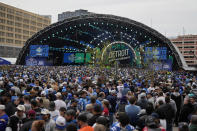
{"x": 187, "y": 44}
{"x": 16, "y": 26}
{"x": 69, "y": 14}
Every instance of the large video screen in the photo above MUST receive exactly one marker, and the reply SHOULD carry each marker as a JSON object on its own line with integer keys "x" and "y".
{"x": 69, "y": 58}
{"x": 39, "y": 50}
{"x": 159, "y": 53}
{"x": 79, "y": 58}
{"x": 88, "y": 57}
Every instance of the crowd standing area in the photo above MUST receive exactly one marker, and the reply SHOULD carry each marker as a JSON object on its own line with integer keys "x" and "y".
{"x": 80, "y": 98}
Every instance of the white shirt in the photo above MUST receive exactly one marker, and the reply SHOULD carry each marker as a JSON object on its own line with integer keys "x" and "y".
{"x": 59, "y": 104}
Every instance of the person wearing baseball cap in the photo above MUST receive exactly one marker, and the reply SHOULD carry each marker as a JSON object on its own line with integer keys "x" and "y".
{"x": 60, "y": 123}
{"x": 49, "y": 123}
{"x": 3, "y": 118}
{"x": 59, "y": 102}
{"x": 18, "y": 119}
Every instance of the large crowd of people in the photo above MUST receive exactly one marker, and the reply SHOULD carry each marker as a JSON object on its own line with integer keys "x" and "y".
{"x": 81, "y": 98}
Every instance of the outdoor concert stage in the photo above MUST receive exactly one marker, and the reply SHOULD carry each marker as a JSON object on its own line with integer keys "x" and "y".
{"x": 69, "y": 42}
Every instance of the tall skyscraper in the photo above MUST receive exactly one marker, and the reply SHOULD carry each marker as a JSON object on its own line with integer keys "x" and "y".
{"x": 16, "y": 26}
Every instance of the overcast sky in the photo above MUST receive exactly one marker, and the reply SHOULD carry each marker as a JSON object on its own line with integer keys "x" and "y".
{"x": 169, "y": 17}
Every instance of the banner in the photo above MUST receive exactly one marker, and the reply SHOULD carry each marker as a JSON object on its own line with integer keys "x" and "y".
{"x": 39, "y": 51}
{"x": 37, "y": 61}
{"x": 79, "y": 58}
{"x": 69, "y": 58}
{"x": 164, "y": 65}
{"x": 88, "y": 57}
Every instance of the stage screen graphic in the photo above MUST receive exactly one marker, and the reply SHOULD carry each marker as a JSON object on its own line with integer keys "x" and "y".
{"x": 37, "y": 61}
{"x": 79, "y": 58}
{"x": 39, "y": 51}
{"x": 69, "y": 58}
{"x": 159, "y": 53}
{"x": 88, "y": 57}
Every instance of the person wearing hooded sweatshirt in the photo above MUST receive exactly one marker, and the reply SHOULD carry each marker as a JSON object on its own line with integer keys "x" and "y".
{"x": 17, "y": 120}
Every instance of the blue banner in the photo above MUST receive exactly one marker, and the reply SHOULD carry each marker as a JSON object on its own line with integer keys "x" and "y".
{"x": 159, "y": 53}
{"x": 164, "y": 65}
{"x": 37, "y": 61}
{"x": 39, "y": 50}
{"x": 69, "y": 58}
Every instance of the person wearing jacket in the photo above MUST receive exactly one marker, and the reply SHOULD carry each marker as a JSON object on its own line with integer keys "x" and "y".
{"x": 49, "y": 123}
{"x": 17, "y": 120}
{"x": 28, "y": 124}
{"x": 167, "y": 111}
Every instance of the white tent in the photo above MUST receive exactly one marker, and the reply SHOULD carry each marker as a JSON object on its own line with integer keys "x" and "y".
{"x": 12, "y": 60}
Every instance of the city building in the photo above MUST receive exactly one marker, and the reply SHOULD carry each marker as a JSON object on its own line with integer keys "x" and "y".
{"x": 16, "y": 26}
{"x": 69, "y": 14}
{"x": 187, "y": 44}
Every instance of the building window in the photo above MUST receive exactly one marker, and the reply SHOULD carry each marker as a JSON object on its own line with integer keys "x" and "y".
{"x": 9, "y": 28}
{"x": 10, "y": 22}
{"x": 25, "y": 32}
{"x": 189, "y": 42}
{"x": 19, "y": 13}
{"x": 38, "y": 29}
{"x": 177, "y": 42}
{"x": 33, "y": 22}
{"x": 2, "y": 39}
{"x": 18, "y": 18}
{"x": 2, "y": 33}
{"x": 10, "y": 10}
{"x": 2, "y": 8}
{"x": 26, "y": 26}
{"x": 2, "y": 14}
{"x": 25, "y": 37}
{"x": 2, "y": 27}
{"x": 10, "y": 16}
{"x": 18, "y": 24}
{"x": 9, "y": 34}
{"x": 190, "y": 61}
{"x": 18, "y": 30}
{"x": 26, "y": 15}
{"x": 189, "y": 47}
{"x": 33, "y": 28}
{"x": 26, "y": 21}
{"x": 2, "y": 21}
{"x": 9, "y": 40}
{"x": 33, "y": 17}
{"x": 17, "y": 36}
{"x": 190, "y": 52}
{"x": 39, "y": 24}
{"x": 31, "y": 33}
{"x": 188, "y": 56}
{"x": 17, "y": 42}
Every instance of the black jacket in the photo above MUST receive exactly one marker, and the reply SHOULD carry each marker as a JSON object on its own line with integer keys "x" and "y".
{"x": 27, "y": 125}
{"x": 166, "y": 111}
{"x": 15, "y": 123}
{"x": 93, "y": 119}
